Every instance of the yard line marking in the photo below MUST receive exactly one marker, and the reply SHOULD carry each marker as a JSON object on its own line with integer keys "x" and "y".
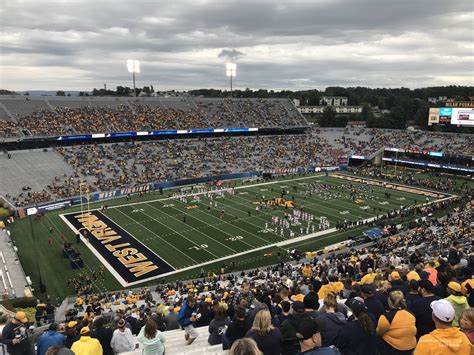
{"x": 159, "y": 237}
{"x": 194, "y": 228}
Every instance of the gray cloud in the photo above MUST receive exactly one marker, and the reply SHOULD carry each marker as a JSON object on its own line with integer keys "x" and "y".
{"x": 280, "y": 44}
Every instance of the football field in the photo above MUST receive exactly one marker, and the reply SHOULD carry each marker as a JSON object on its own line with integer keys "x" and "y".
{"x": 143, "y": 239}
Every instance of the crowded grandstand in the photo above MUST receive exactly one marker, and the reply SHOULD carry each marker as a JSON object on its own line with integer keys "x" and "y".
{"x": 242, "y": 229}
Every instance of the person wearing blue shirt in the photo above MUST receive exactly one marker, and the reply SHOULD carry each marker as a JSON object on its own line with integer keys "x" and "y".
{"x": 49, "y": 338}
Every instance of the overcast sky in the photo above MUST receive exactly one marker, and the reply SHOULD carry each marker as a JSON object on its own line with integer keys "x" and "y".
{"x": 82, "y": 44}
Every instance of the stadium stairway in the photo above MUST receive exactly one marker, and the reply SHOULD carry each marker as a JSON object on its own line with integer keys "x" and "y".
{"x": 176, "y": 345}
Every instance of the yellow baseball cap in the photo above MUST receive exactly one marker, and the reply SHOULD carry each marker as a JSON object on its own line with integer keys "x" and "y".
{"x": 454, "y": 286}
{"x": 21, "y": 317}
{"x": 394, "y": 275}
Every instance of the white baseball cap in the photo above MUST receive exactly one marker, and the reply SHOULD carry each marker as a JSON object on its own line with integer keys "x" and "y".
{"x": 443, "y": 310}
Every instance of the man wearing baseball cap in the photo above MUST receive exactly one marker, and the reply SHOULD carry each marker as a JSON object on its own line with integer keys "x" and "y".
{"x": 86, "y": 345}
{"x": 457, "y": 299}
{"x": 445, "y": 339}
{"x": 309, "y": 337}
{"x": 15, "y": 335}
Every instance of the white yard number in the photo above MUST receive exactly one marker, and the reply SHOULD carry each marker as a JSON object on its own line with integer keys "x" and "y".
{"x": 344, "y": 212}
{"x": 233, "y": 239}
{"x": 198, "y": 247}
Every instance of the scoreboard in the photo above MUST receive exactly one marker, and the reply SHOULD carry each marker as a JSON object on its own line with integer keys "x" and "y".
{"x": 459, "y": 116}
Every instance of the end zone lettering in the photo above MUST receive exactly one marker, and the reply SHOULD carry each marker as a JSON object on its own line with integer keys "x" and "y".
{"x": 124, "y": 253}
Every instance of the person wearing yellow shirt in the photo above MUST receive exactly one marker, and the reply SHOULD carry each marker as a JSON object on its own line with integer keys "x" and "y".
{"x": 325, "y": 289}
{"x": 86, "y": 345}
{"x": 445, "y": 339}
{"x": 396, "y": 328}
{"x": 368, "y": 278}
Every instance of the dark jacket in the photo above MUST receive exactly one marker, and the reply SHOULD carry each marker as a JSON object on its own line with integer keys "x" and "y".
{"x": 422, "y": 311}
{"x": 352, "y": 340}
{"x": 216, "y": 329}
{"x": 10, "y": 331}
{"x": 399, "y": 285}
{"x": 236, "y": 330}
{"x": 104, "y": 336}
{"x": 290, "y": 344}
{"x": 330, "y": 325}
{"x": 374, "y": 307}
{"x": 269, "y": 344}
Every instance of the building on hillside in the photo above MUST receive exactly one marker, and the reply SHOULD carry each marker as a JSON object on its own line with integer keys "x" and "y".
{"x": 333, "y": 101}
{"x": 434, "y": 100}
{"x": 305, "y": 110}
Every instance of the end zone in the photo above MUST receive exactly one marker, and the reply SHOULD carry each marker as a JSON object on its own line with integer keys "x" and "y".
{"x": 129, "y": 260}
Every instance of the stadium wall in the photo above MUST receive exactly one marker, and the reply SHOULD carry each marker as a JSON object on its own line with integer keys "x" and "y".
{"x": 100, "y": 196}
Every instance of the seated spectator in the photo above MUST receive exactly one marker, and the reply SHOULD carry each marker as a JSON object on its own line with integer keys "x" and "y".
{"x": 50, "y": 338}
{"x": 267, "y": 337}
{"x": 357, "y": 336}
{"x": 122, "y": 338}
{"x": 330, "y": 322}
{"x": 310, "y": 339}
{"x": 458, "y": 301}
{"x": 466, "y": 323}
{"x": 86, "y": 345}
{"x": 445, "y": 339}
{"x": 245, "y": 346}
{"x": 218, "y": 326}
{"x": 421, "y": 309}
{"x": 171, "y": 319}
{"x": 396, "y": 328}
{"x": 152, "y": 339}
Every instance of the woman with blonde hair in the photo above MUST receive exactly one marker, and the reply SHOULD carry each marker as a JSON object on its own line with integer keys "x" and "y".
{"x": 267, "y": 337}
{"x": 151, "y": 338}
{"x": 244, "y": 346}
{"x": 396, "y": 328}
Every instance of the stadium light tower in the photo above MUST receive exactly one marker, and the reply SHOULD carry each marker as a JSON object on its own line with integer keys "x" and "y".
{"x": 133, "y": 67}
{"x": 231, "y": 71}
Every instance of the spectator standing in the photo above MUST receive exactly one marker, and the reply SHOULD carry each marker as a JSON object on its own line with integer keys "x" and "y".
{"x": 267, "y": 337}
{"x": 51, "y": 337}
{"x": 122, "y": 338}
{"x": 373, "y": 304}
{"x": 152, "y": 339}
{"x": 458, "y": 301}
{"x": 86, "y": 345}
{"x": 15, "y": 335}
{"x": 421, "y": 309}
{"x": 357, "y": 336}
{"x": 218, "y": 326}
{"x": 71, "y": 333}
{"x": 245, "y": 346}
{"x": 236, "y": 329}
{"x": 290, "y": 342}
{"x": 330, "y": 322}
{"x": 186, "y": 317}
{"x": 396, "y": 328}
{"x": 466, "y": 323}
{"x": 445, "y": 339}
{"x": 310, "y": 339}
{"x": 3, "y": 322}
{"x": 104, "y": 335}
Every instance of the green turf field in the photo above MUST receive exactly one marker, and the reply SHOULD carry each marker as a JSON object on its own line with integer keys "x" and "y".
{"x": 191, "y": 238}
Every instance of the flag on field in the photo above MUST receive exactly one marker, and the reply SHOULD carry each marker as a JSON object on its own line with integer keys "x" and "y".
{"x": 268, "y": 254}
